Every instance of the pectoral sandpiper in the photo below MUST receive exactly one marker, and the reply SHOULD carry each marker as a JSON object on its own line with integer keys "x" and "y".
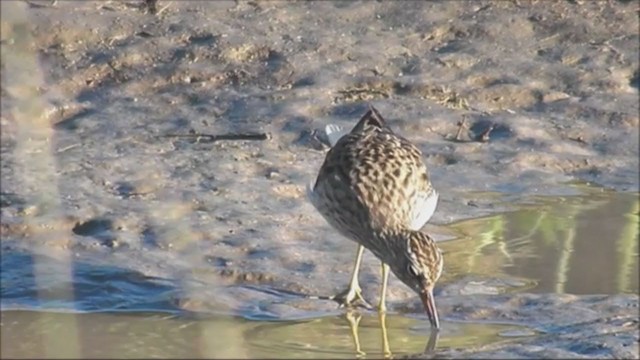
{"x": 374, "y": 188}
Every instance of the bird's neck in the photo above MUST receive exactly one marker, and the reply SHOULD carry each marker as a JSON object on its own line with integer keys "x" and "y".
{"x": 388, "y": 243}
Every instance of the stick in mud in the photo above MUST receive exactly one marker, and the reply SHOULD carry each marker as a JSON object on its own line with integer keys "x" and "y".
{"x": 209, "y": 138}
{"x": 484, "y": 136}
{"x": 461, "y": 125}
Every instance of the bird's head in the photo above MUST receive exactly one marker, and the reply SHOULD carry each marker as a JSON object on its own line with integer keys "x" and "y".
{"x": 419, "y": 265}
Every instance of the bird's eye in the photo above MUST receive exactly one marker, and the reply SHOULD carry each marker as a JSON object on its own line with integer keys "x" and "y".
{"x": 413, "y": 270}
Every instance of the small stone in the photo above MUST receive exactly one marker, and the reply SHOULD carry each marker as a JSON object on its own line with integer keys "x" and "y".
{"x": 272, "y": 174}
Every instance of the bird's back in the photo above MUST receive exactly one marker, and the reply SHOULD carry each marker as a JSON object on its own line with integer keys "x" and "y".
{"x": 373, "y": 179}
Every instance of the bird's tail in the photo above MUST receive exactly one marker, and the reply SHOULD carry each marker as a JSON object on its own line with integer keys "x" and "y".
{"x": 334, "y": 133}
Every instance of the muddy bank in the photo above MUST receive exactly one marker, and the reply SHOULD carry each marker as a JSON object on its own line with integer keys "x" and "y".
{"x": 558, "y": 84}
{"x": 607, "y": 327}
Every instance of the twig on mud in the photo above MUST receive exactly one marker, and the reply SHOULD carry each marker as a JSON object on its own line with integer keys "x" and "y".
{"x": 53, "y": 3}
{"x": 67, "y": 148}
{"x": 461, "y": 125}
{"x": 484, "y": 136}
{"x": 212, "y": 138}
{"x": 578, "y": 138}
{"x": 163, "y": 9}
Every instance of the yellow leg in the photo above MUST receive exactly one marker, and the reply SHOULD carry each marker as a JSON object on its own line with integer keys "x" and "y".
{"x": 386, "y": 350}
{"x": 354, "y": 292}
{"x": 354, "y": 321}
{"x": 433, "y": 341}
{"x": 354, "y": 284}
{"x": 382, "y": 305}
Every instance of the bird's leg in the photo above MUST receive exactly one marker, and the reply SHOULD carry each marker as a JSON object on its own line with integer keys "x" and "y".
{"x": 433, "y": 341}
{"x": 386, "y": 350}
{"x": 382, "y": 305}
{"x": 354, "y": 292}
{"x": 354, "y": 321}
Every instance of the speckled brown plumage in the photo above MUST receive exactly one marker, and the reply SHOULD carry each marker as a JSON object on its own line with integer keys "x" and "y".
{"x": 374, "y": 188}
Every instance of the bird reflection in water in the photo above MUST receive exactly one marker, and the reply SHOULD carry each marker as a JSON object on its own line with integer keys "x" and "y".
{"x": 354, "y": 317}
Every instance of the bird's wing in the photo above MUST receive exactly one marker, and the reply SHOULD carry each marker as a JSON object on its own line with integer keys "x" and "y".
{"x": 424, "y": 205}
{"x": 334, "y": 133}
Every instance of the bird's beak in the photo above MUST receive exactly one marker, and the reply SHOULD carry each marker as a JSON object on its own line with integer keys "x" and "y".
{"x": 430, "y": 306}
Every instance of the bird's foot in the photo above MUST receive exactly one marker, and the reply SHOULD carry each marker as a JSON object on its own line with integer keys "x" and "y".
{"x": 351, "y": 297}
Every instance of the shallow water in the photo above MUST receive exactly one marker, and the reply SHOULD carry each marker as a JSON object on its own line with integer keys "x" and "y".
{"x": 580, "y": 245}
{"x": 112, "y": 335}
{"x": 575, "y": 245}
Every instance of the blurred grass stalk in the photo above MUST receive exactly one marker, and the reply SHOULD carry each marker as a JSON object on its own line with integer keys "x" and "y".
{"x": 218, "y": 339}
{"x": 493, "y": 235}
{"x": 22, "y": 80}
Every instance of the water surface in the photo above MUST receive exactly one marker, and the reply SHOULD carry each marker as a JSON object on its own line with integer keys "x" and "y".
{"x": 576, "y": 245}
{"x": 30, "y": 334}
